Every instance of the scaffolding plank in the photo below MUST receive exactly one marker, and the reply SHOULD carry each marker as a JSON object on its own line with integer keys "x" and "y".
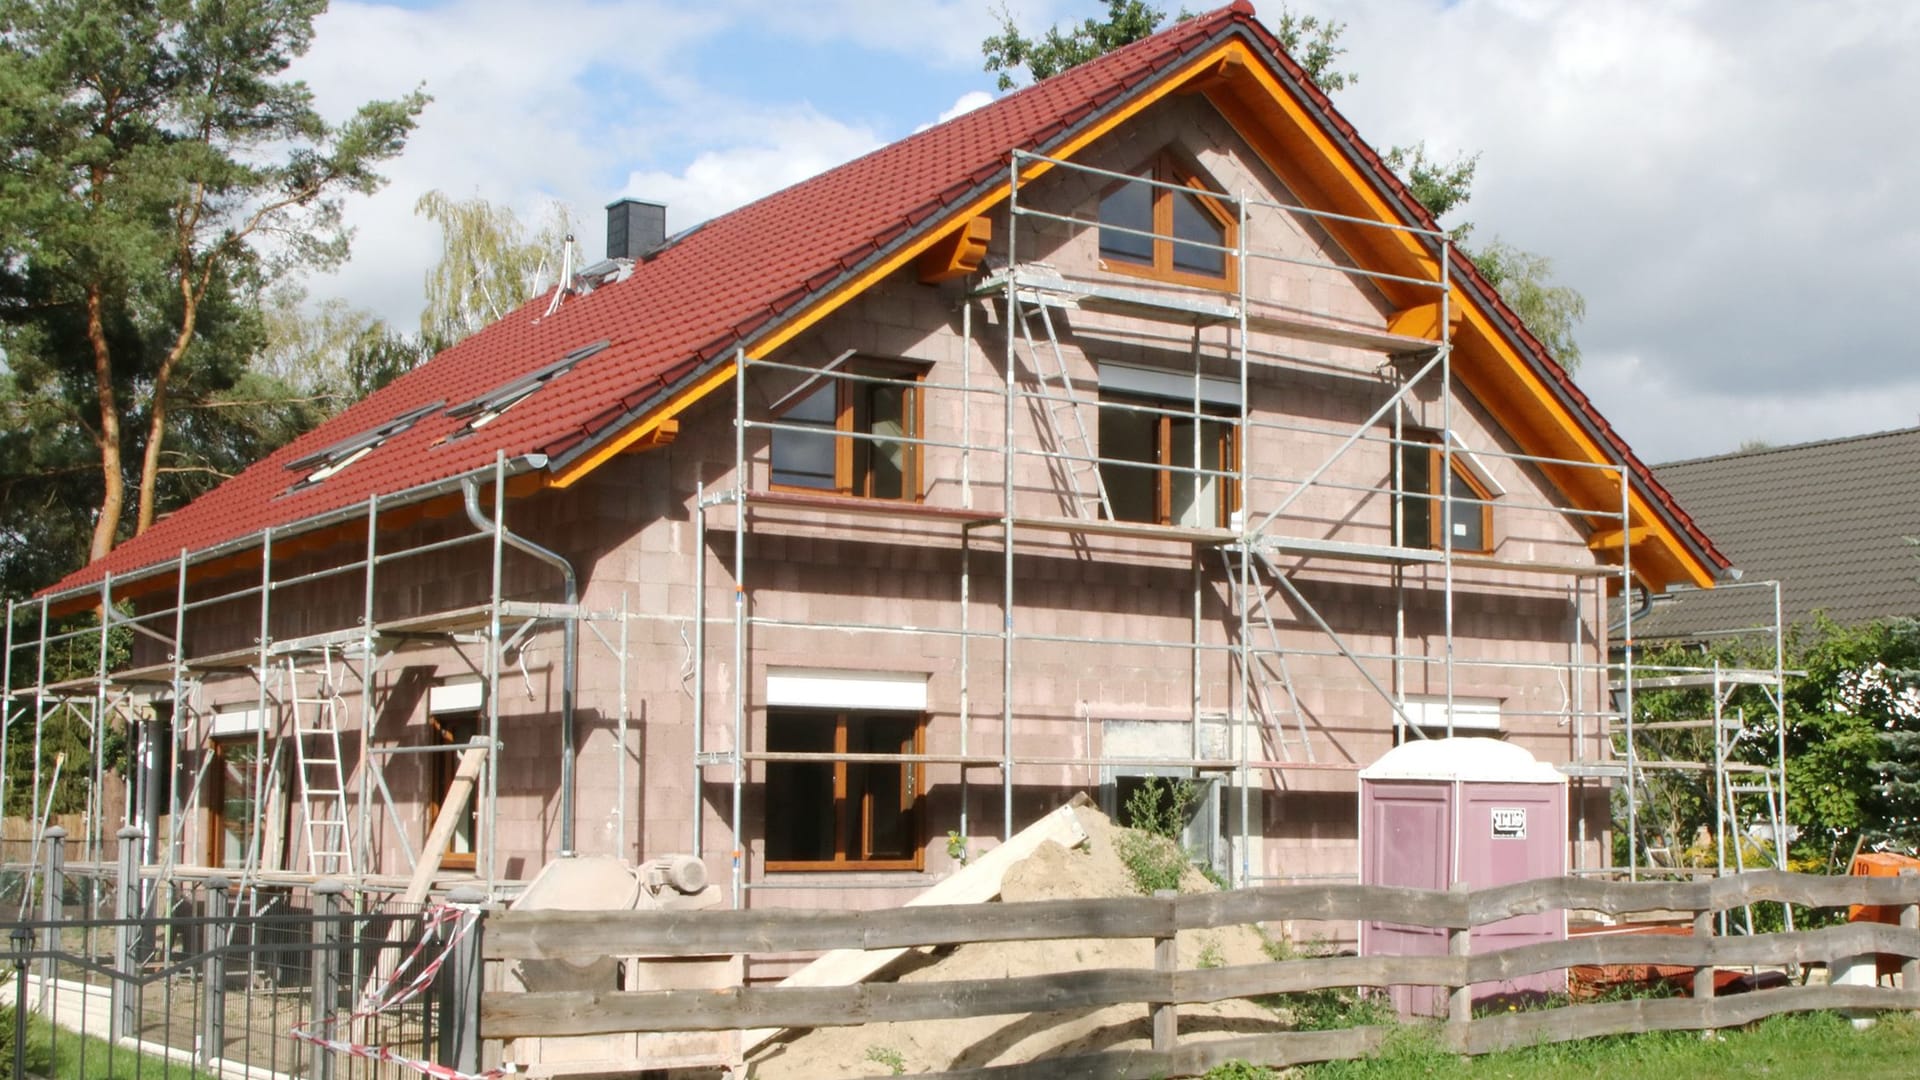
{"x": 1043, "y": 286}
{"x": 1395, "y": 555}
{"x": 841, "y": 504}
{"x": 1701, "y": 679}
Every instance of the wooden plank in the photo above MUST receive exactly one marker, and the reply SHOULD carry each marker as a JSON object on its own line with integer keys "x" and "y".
{"x": 453, "y": 810}
{"x": 1278, "y": 1050}
{"x": 1800, "y": 947}
{"x": 1381, "y": 903}
{"x": 584, "y": 935}
{"x": 1717, "y": 894}
{"x": 1491, "y": 1034}
{"x": 578, "y": 935}
{"x": 1293, "y": 976}
{"x": 516, "y": 1015}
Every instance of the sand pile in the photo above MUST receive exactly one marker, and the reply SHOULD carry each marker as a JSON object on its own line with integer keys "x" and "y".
{"x": 1050, "y": 873}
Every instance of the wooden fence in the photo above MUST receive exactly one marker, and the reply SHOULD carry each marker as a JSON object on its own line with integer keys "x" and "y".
{"x": 580, "y": 936}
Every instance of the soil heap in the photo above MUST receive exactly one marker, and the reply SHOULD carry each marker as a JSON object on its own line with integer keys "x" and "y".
{"x": 1052, "y": 872}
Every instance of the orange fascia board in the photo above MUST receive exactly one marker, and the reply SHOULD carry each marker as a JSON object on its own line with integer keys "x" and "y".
{"x": 835, "y": 300}
{"x": 1423, "y": 320}
{"x": 958, "y": 253}
{"x": 1610, "y": 539}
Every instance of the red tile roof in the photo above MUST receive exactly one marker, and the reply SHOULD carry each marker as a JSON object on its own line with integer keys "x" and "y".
{"x": 719, "y": 287}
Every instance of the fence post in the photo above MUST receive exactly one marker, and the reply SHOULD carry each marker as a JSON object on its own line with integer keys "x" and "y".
{"x": 1910, "y": 920}
{"x": 213, "y": 1036}
{"x": 123, "y": 1017}
{"x": 53, "y": 887}
{"x": 326, "y": 970}
{"x": 1703, "y": 974}
{"x": 1166, "y": 960}
{"x": 22, "y": 940}
{"x": 461, "y": 984}
{"x": 1460, "y": 998}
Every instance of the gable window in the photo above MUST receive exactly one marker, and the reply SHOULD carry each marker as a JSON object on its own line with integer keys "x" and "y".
{"x": 1422, "y": 515}
{"x": 850, "y": 435}
{"x": 843, "y": 815}
{"x": 1179, "y": 233}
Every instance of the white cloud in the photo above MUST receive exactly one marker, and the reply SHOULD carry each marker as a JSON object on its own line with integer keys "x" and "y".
{"x": 968, "y": 102}
{"x": 1722, "y": 182}
{"x": 964, "y": 104}
{"x": 791, "y": 147}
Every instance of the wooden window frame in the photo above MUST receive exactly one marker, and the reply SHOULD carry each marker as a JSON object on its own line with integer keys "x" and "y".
{"x": 442, "y": 765}
{"x": 214, "y": 805}
{"x": 913, "y": 788}
{"x": 1226, "y": 499}
{"x": 1167, "y": 168}
{"x": 849, "y": 480}
{"x": 1435, "y": 501}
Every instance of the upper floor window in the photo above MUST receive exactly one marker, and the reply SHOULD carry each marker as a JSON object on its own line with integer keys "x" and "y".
{"x": 1166, "y": 486}
{"x": 850, "y": 434}
{"x": 1179, "y": 233}
{"x": 1423, "y": 518}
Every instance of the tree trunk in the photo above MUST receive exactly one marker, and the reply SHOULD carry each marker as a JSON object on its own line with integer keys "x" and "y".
{"x": 162, "y": 384}
{"x": 113, "y": 496}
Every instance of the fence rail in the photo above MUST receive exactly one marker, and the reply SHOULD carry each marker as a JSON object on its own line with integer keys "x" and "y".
{"x": 1847, "y": 948}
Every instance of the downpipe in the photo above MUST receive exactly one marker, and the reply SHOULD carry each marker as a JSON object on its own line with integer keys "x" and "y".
{"x": 570, "y": 648}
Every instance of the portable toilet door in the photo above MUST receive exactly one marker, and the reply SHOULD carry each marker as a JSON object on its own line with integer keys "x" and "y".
{"x": 1480, "y": 812}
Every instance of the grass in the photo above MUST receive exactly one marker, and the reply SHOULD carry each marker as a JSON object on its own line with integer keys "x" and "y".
{"x": 68, "y": 1056}
{"x": 1812, "y": 1044}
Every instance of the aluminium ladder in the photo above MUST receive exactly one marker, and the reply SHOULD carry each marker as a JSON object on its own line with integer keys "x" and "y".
{"x": 316, "y": 747}
{"x": 1074, "y": 460}
{"x": 1267, "y": 666}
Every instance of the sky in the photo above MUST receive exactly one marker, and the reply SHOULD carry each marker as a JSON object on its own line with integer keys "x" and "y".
{"x": 1729, "y": 184}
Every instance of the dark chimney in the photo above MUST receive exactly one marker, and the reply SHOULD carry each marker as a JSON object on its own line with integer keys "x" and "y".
{"x": 634, "y": 228}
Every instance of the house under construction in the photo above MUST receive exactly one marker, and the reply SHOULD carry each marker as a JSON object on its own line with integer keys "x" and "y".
{"x": 1138, "y": 424}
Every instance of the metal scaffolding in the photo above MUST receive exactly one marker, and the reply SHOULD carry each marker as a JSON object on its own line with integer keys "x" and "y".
{"x": 308, "y": 689}
{"x": 1250, "y": 567}
{"x": 1254, "y": 560}
{"x": 1745, "y": 777}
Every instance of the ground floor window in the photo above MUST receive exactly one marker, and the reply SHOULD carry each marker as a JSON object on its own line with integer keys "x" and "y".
{"x": 831, "y": 815}
{"x": 453, "y": 730}
{"x": 238, "y": 812}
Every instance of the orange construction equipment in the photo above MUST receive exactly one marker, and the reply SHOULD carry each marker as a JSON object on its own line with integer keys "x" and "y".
{"x": 1880, "y": 864}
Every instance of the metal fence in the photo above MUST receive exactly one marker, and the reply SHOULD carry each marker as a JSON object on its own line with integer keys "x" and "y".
{"x": 127, "y": 976}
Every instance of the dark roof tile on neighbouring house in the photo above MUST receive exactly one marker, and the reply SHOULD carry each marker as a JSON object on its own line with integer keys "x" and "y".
{"x": 1830, "y": 520}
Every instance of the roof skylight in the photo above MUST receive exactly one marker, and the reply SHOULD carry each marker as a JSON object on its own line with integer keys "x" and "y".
{"x": 487, "y": 408}
{"x": 324, "y": 463}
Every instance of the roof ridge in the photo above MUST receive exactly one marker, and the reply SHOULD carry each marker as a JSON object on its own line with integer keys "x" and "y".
{"x": 1762, "y": 451}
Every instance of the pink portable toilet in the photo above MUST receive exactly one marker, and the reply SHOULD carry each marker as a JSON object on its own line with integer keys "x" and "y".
{"x": 1482, "y": 812}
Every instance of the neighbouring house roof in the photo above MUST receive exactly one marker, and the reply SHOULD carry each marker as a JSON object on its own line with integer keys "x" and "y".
{"x": 1829, "y": 520}
{"x": 752, "y": 278}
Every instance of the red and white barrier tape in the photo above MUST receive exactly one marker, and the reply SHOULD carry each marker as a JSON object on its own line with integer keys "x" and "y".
{"x": 396, "y": 993}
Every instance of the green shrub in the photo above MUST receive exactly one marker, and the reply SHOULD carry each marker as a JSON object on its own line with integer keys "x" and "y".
{"x": 1149, "y": 846}
{"x": 1324, "y": 1010}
